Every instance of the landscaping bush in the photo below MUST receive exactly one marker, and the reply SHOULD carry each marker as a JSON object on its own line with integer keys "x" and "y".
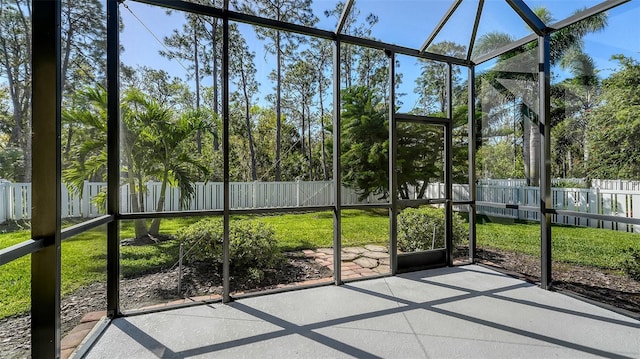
{"x": 631, "y": 263}
{"x": 415, "y": 229}
{"x": 253, "y": 246}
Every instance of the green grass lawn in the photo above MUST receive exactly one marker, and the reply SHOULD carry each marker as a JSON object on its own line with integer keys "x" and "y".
{"x": 84, "y": 256}
{"x": 600, "y": 248}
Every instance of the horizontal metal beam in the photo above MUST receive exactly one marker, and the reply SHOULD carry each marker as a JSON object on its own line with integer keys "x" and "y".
{"x": 594, "y": 10}
{"x": 20, "y": 250}
{"x": 218, "y": 212}
{"x": 401, "y": 50}
{"x": 405, "y": 117}
{"x": 205, "y": 10}
{"x": 85, "y": 226}
{"x": 367, "y": 206}
{"x": 508, "y": 206}
{"x": 601, "y": 217}
{"x": 281, "y": 210}
{"x": 404, "y": 203}
{"x": 169, "y": 214}
{"x": 299, "y": 29}
{"x": 167, "y": 307}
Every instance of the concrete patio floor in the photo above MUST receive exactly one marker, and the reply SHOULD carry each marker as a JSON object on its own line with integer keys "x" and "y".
{"x": 460, "y": 312}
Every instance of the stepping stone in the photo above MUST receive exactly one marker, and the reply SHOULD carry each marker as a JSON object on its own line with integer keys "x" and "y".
{"x": 376, "y": 248}
{"x": 356, "y": 250}
{"x": 382, "y": 269}
{"x": 348, "y": 256}
{"x": 325, "y": 250}
{"x": 375, "y": 255}
{"x": 366, "y": 262}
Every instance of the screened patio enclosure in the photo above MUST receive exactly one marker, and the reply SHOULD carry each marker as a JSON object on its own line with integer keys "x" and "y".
{"x": 447, "y": 135}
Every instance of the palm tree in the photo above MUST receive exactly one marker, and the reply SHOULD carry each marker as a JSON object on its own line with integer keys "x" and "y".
{"x": 519, "y": 69}
{"x": 155, "y": 145}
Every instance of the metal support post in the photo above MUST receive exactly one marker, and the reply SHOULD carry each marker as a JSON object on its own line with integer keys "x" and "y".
{"x": 45, "y": 221}
{"x": 113, "y": 158}
{"x": 393, "y": 176}
{"x": 226, "y": 297}
{"x": 448, "y": 169}
{"x": 472, "y": 163}
{"x": 337, "y": 168}
{"x": 544, "y": 82}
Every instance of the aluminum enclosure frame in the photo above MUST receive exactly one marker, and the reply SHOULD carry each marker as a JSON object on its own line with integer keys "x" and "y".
{"x": 46, "y": 227}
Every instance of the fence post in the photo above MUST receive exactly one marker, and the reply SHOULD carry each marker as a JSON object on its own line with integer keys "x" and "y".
{"x": 254, "y": 194}
{"x": 84, "y": 201}
{"x": 298, "y": 193}
{"x": 16, "y": 194}
{"x": 4, "y": 200}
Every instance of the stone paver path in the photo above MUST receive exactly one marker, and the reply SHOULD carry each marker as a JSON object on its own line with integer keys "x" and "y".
{"x": 357, "y": 262}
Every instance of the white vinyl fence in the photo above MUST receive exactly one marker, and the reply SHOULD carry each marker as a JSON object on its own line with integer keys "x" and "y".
{"x": 605, "y": 197}
{"x": 15, "y": 198}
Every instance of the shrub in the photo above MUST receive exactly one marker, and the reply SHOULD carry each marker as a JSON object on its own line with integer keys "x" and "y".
{"x": 631, "y": 263}
{"x": 253, "y": 246}
{"x": 416, "y": 225}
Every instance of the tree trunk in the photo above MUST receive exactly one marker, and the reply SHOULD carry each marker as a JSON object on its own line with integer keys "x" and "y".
{"x": 197, "y": 76}
{"x": 302, "y": 133}
{"x": 154, "y": 229}
{"x": 531, "y": 149}
{"x": 325, "y": 174}
{"x": 247, "y": 117}
{"x": 278, "y": 118}
{"x": 140, "y": 225}
{"x": 310, "y": 146}
{"x": 214, "y": 29}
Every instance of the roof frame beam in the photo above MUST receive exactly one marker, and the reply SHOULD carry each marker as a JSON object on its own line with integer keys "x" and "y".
{"x": 528, "y": 16}
{"x": 603, "y": 6}
{"x": 299, "y": 29}
{"x": 594, "y": 10}
{"x": 345, "y": 14}
{"x": 474, "y": 32}
{"x": 440, "y": 25}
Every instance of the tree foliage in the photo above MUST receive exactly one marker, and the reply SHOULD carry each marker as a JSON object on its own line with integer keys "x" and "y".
{"x": 614, "y": 129}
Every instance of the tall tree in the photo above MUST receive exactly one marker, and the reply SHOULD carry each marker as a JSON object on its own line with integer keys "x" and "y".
{"x": 280, "y": 43}
{"x": 431, "y": 86}
{"x": 300, "y": 89}
{"x": 614, "y": 129}
{"x": 83, "y": 58}
{"x": 521, "y": 66}
{"x": 351, "y": 54}
{"x": 186, "y": 45}
{"x": 15, "y": 52}
{"x": 320, "y": 54}
{"x": 574, "y": 99}
{"x": 243, "y": 72}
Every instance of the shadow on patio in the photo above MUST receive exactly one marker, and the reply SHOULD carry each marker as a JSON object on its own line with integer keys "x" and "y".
{"x": 468, "y": 311}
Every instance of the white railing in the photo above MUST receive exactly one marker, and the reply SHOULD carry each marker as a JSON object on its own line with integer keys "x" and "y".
{"x": 15, "y": 199}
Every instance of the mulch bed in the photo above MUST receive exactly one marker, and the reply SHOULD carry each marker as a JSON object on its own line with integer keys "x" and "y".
{"x": 150, "y": 289}
{"x": 603, "y": 286}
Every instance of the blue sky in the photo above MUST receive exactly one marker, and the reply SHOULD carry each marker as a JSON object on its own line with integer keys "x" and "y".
{"x": 408, "y": 24}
